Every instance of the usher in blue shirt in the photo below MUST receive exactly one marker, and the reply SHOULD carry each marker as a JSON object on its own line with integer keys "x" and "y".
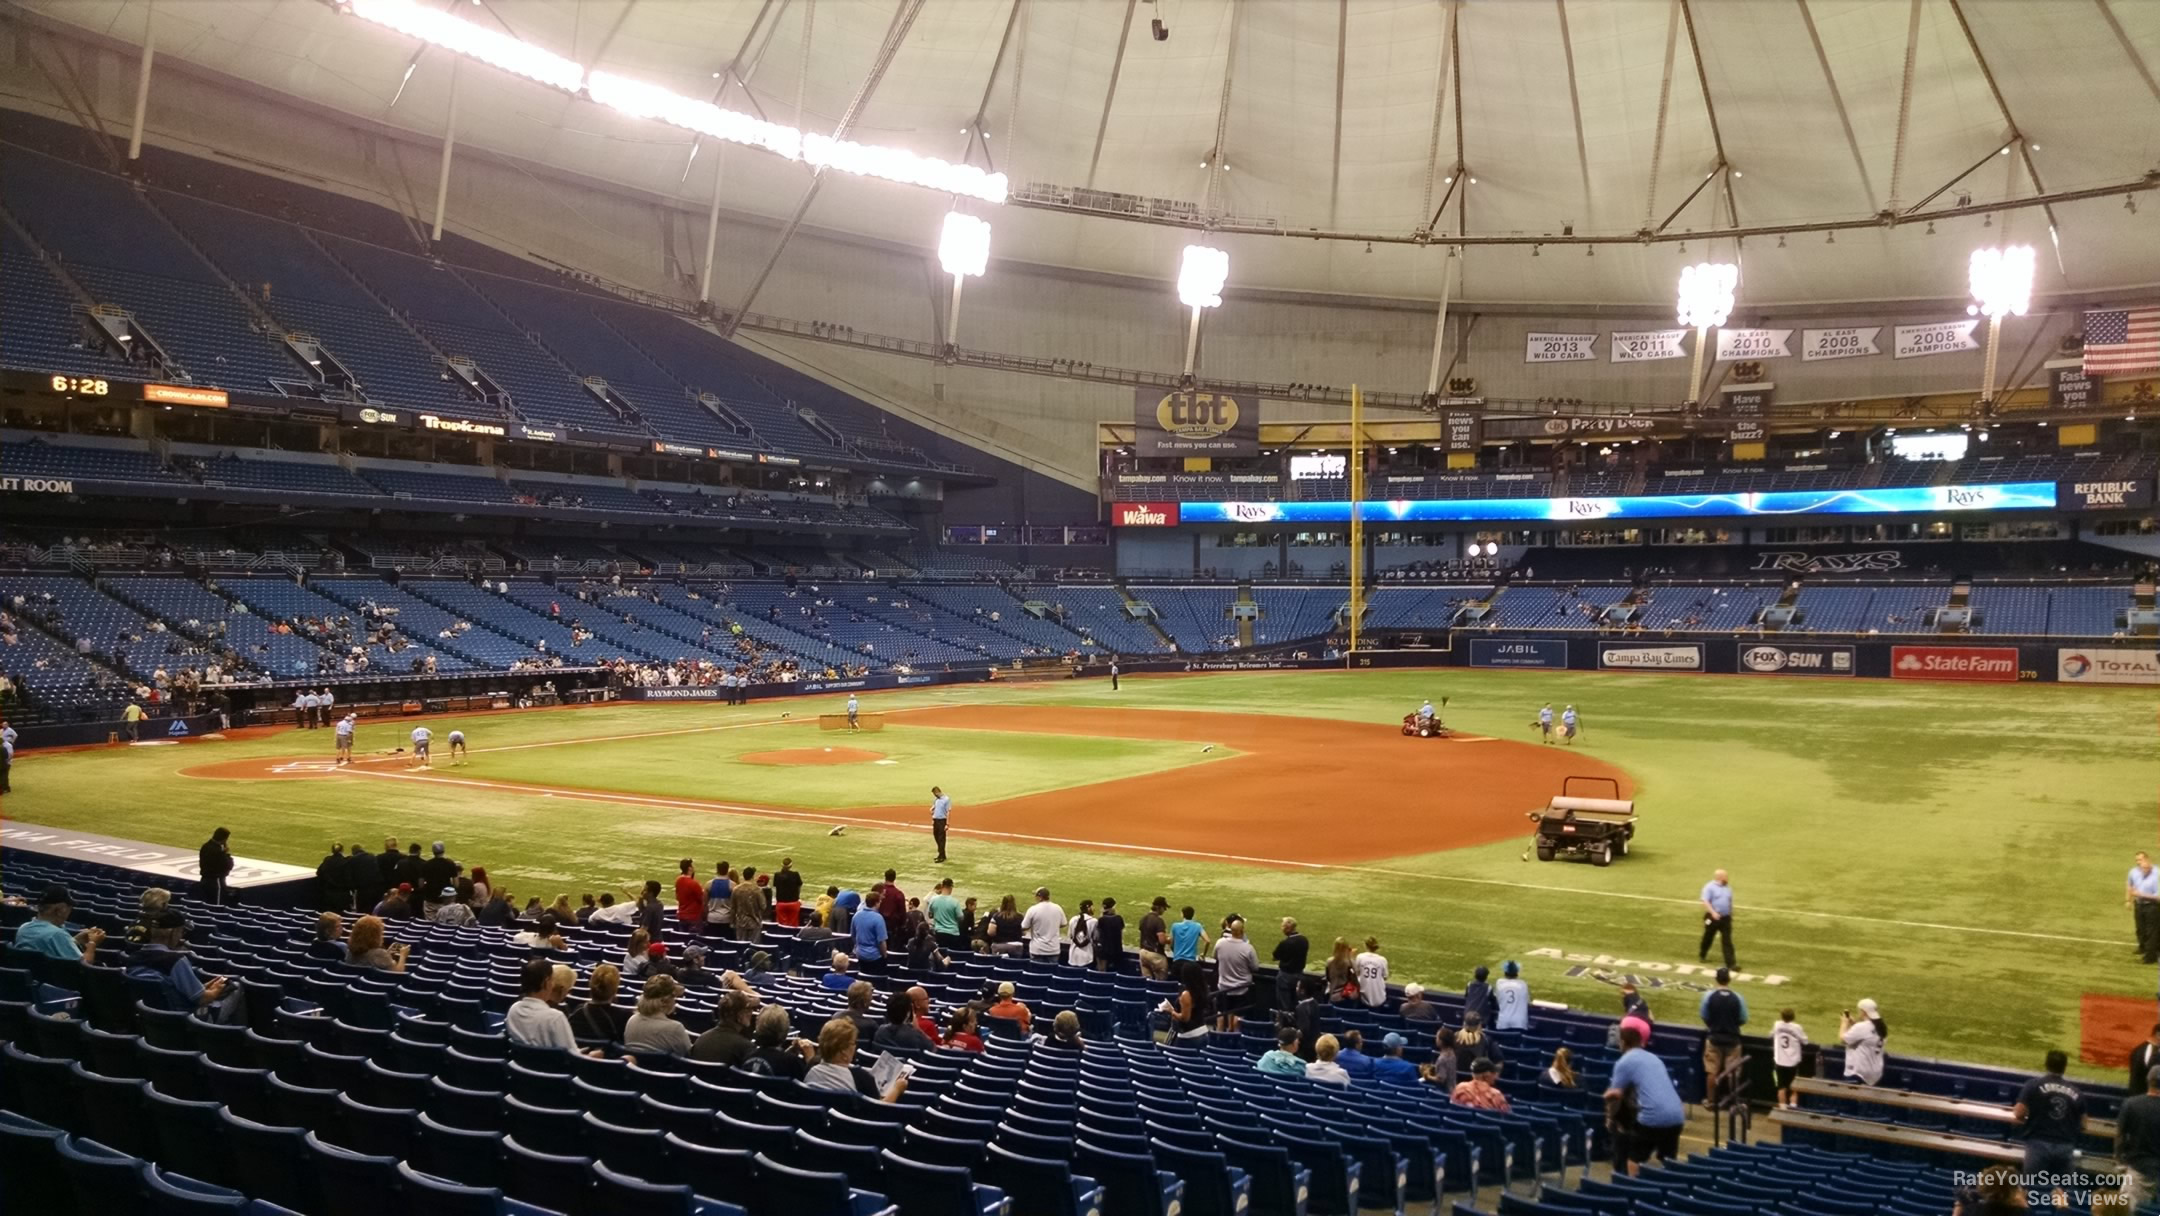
{"x": 1718, "y": 896}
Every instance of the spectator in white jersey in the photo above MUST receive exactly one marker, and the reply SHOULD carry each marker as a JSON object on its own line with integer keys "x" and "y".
{"x": 1788, "y": 1045}
{"x": 1512, "y": 997}
{"x": 1371, "y": 969}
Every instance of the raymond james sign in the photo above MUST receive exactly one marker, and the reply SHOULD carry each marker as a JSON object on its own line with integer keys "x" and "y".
{"x": 1199, "y": 423}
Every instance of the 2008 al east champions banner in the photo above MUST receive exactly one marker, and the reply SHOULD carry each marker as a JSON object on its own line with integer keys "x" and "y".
{"x": 1199, "y": 422}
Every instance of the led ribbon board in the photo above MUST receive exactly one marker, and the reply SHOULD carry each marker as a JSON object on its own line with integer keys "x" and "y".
{"x": 1899, "y": 500}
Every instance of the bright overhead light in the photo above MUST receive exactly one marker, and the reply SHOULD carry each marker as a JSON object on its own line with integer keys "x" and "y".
{"x": 1201, "y": 276}
{"x": 642, "y": 100}
{"x": 964, "y": 245}
{"x": 1706, "y": 293}
{"x": 462, "y": 36}
{"x": 2002, "y": 281}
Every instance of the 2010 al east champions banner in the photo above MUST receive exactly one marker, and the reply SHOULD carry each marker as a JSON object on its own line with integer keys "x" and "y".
{"x": 1198, "y": 422}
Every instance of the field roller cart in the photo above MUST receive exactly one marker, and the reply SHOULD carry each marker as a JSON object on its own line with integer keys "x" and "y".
{"x": 1573, "y": 825}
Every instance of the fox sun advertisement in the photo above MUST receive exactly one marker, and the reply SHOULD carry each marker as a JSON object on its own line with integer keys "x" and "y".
{"x": 1782, "y": 660}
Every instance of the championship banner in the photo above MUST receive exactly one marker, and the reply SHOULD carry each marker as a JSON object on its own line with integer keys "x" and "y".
{"x": 1561, "y": 348}
{"x": 2098, "y": 666}
{"x": 1641, "y": 346}
{"x": 1736, "y": 344}
{"x": 1849, "y": 343}
{"x": 1935, "y": 338}
{"x": 1200, "y": 423}
{"x": 2070, "y": 386}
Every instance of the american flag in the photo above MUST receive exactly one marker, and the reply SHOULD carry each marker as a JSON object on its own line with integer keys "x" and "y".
{"x": 2122, "y": 340}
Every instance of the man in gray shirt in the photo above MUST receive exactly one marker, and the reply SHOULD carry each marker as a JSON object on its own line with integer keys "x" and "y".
{"x": 533, "y": 1020}
{"x": 1235, "y": 964}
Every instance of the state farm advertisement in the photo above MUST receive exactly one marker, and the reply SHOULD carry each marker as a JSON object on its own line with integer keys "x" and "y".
{"x": 1976, "y": 664}
{"x": 1144, "y": 514}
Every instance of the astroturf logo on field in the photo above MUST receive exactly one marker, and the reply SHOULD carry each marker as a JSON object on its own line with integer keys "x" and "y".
{"x": 1643, "y": 973}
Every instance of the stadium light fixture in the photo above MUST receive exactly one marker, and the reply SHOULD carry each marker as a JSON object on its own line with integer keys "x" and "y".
{"x": 1201, "y": 275}
{"x": 441, "y": 28}
{"x": 964, "y": 252}
{"x": 643, "y": 100}
{"x": 1706, "y": 300}
{"x": 2001, "y": 281}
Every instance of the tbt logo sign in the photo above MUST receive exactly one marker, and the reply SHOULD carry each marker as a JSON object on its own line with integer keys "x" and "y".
{"x": 1198, "y": 423}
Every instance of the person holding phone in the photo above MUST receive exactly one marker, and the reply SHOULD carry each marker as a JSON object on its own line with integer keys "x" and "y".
{"x": 164, "y": 960}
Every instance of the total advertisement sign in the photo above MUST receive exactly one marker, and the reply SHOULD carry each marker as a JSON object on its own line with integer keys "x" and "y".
{"x": 1972, "y": 664}
{"x": 1144, "y": 514}
{"x": 2098, "y": 666}
{"x": 1782, "y": 660}
{"x": 1628, "y": 656}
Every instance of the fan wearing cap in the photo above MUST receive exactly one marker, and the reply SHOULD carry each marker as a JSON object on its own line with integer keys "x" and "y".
{"x": 163, "y": 960}
{"x": 1389, "y": 1067}
{"x": 1415, "y": 1008}
{"x": 48, "y": 935}
{"x": 1864, "y": 1039}
{"x": 1010, "y": 1006}
{"x": 1512, "y": 996}
{"x": 1479, "y": 1091}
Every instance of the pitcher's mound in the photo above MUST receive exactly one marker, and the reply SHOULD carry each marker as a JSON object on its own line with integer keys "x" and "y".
{"x": 813, "y": 755}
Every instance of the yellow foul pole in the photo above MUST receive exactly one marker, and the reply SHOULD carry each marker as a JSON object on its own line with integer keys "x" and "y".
{"x": 1357, "y": 514}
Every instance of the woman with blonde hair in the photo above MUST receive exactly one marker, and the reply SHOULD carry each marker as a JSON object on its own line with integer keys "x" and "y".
{"x": 364, "y": 947}
{"x": 1562, "y": 1072}
{"x": 636, "y": 954}
{"x": 1323, "y": 1068}
{"x": 653, "y": 1028}
{"x": 1341, "y": 972}
{"x": 835, "y": 1069}
{"x": 600, "y": 1017}
{"x": 564, "y": 913}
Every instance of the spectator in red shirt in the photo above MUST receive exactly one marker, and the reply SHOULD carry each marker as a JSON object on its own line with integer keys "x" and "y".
{"x": 924, "y": 1021}
{"x": 960, "y": 1029}
{"x": 892, "y": 905}
{"x": 689, "y": 895}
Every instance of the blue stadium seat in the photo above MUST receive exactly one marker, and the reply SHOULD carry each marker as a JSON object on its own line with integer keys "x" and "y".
{"x": 103, "y": 1179}
{"x": 190, "y": 1136}
{"x": 1132, "y": 1186}
{"x": 175, "y": 1194}
{"x": 353, "y": 1184}
{"x": 777, "y": 1189}
{"x": 111, "y": 1110}
{"x": 30, "y": 1159}
{"x": 939, "y": 1190}
{"x": 272, "y": 1161}
{"x": 562, "y": 1181}
{"x": 617, "y": 1194}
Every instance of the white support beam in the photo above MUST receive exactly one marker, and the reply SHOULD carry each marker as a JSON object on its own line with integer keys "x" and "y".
{"x": 449, "y": 146}
{"x": 142, "y": 83}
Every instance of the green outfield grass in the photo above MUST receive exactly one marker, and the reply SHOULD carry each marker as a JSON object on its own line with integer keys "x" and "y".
{"x": 1955, "y": 852}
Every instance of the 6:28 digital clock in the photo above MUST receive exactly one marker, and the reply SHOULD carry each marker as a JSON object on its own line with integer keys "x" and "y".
{"x": 89, "y": 386}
